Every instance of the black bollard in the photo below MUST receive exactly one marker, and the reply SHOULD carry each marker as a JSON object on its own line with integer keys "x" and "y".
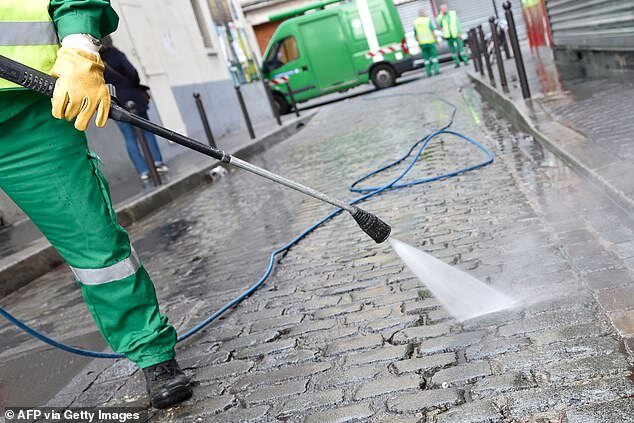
{"x": 147, "y": 154}
{"x": 476, "y": 43}
{"x": 473, "y": 46}
{"x": 504, "y": 43}
{"x": 269, "y": 95}
{"x": 485, "y": 52}
{"x": 203, "y": 118}
{"x": 498, "y": 53}
{"x": 245, "y": 112}
{"x": 292, "y": 98}
{"x": 517, "y": 52}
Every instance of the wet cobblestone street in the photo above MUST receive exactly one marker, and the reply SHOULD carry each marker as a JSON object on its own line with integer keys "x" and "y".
{"x": 342, "y": 331}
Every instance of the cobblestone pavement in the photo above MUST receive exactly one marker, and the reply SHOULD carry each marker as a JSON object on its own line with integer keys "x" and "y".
{"x": 342, "y": 331}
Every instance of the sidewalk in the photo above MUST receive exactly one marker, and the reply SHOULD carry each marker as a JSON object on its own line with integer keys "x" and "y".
{"x": 586, "y": 122}
{"x": 26, "y": 255}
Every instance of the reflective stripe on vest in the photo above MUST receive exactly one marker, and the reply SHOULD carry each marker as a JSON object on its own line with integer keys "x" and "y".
{"x": 450, "y": 26}
{"x": 116, "y": 272}
{"x": 424, "y": 34}
{"x": 27, "y": 35}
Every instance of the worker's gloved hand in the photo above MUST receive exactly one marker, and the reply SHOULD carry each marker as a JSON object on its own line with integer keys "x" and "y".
{"x": 80, "y": 90}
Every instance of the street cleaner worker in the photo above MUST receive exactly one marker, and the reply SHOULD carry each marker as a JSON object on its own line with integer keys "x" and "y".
{"x": 451, "y": 31}
{"x": 424, "y": 29}
{"x": 49, "y": 172}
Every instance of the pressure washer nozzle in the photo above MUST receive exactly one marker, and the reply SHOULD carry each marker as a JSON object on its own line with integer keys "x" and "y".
{"x": 372, "y": 225}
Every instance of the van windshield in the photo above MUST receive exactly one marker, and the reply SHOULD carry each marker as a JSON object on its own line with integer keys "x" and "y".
{"x": 285, "y": 51}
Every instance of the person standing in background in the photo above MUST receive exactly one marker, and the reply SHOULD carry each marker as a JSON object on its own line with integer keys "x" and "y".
{"x": 424, "y": 29}
{"x": 452, "y": 32}
{"x": 122, "y": 74}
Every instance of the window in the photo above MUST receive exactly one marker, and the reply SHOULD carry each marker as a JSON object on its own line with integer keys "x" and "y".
{"x": 285, "y": 51}
{"x": 379, "y": 21}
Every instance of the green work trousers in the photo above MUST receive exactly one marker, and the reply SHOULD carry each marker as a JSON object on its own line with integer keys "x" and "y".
{"x": 49, "y": 172}
{"x": 430, "y": 56}
{"x": 456, "y": 47}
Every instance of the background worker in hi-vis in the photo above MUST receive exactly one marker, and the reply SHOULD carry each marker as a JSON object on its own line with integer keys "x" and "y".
{"x": 452, "y": 32}
{"x": 48, "y": 170}
{"x": 424, "y": 29}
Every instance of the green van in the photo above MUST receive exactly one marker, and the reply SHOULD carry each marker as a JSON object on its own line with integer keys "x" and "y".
{"x": 325, "y": 47}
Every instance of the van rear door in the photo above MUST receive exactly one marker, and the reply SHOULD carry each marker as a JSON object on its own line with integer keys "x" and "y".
{"x": 329, "y": 56}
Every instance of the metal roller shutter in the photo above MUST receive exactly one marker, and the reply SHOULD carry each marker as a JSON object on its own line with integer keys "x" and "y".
{"x": 592, "y": 24}
{"x": 409, "y": 11}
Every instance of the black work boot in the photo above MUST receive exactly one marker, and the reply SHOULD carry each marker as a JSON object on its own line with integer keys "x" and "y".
{"x": 166, "y": 384}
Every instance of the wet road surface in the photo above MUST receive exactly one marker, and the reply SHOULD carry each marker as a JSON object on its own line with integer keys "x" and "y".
{"x": 342, "y": 330}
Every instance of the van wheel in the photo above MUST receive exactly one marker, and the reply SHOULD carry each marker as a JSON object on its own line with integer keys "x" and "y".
{"x": 383, "y": 76}
{"x": 282, "y": 105}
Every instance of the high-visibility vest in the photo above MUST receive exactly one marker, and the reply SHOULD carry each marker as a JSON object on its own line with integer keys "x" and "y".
{"x": 424, "y": 34}
{"x": 27, "y": 35}
{"x": 450, "y": 25}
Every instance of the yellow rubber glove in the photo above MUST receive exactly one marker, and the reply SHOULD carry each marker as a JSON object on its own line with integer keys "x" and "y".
{"x": 80, "y": 90}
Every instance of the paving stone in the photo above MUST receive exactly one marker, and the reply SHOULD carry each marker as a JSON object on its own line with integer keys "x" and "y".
{"x": 286, "y": 373}
{"x": 584, "y": 330}
{"x": 311, "y": 325}
{"x": 396, "y": 298}
{"x": 368, "y": 314}
{"x": 472, "y": 412}
{"x": 617, "y": 299}
{"x": 586, "y": 368}
{"x": 623, "y": 321}
{"x": 224, "y": 370}
{"x": 618, "y": 411}
{"x": 495, "y": 347}
{"x": 238, "y": 415}
{"x": 325, "y": 313}
{"x": 310, "y": 401}
{"x": 450, "y": 343}
{"x": 424, "y": 400}
{"x": 247, "y": 341}
{"x": 371, "y": 293}
{"x": 612, "y": 278}
{"x": 393, "y": 323}
{"x": 386, "y": 386}
{"x": 529, "y": 401}
{"x": 321, "y": 302}
{"x": 421, "y": 306}
{"x": 357, "y": 343}
{"x": 339, "y": 377}
{"x": 266, "y": 348}
{"x": 269, "y": 393}
{"x": 546, "y": 321}
{"x": 276, "y": 322}
{"x": 425, "y": 364}
{"x": 495, "y": 385}
{"x": 461, "y": 374}
{"x": 349, "y": 413}
{"x": 385, "y": 353}
{"x": 206, "y": 408}
{"x": 420, "y": 333}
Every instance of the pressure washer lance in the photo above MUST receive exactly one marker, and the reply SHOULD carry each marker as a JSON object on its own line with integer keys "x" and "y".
{"x": 44, "y": 84}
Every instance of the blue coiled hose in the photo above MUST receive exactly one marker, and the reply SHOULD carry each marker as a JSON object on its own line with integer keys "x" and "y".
{"x": 368, "y": 192}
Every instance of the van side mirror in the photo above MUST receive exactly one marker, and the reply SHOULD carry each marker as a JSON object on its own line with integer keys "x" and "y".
{"x": 265, "y": 67}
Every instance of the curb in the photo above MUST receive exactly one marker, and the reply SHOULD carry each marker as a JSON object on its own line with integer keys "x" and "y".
{"x": 40, "y": 257}
{"x": 512, "y": 111}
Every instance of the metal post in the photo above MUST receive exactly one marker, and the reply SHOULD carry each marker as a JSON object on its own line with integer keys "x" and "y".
{"x": 476, "y": 43}
{"x": 498, "y": 53}
{"x": 292, "y": 98}
{"x": 495, "y": 7}
{"x": 147, "y": 154}
{"x": 517, "y": 53}
{"x": 269, "y": 94}
{"x": 473, "y": 46}
{"x": 203, "y": 118}
{"x": 245, "y": 112}
{"x": 485, "y": 51}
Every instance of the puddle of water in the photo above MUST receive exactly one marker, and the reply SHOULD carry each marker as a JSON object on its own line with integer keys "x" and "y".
{"x": 462, "y": 295}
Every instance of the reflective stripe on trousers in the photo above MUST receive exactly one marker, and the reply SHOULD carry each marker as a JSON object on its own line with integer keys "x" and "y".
{"x": 116, "y": 272}
{"x": 27, "y": 33}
